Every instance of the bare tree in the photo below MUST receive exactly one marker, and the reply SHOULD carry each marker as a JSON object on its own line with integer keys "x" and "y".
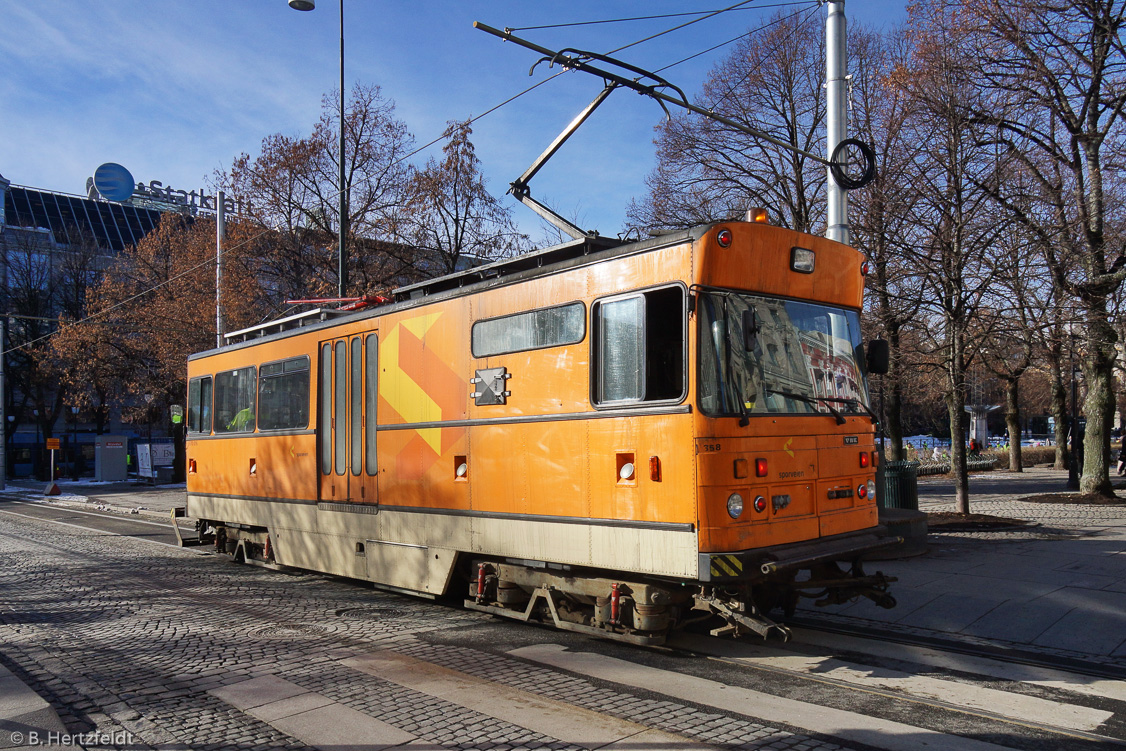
{"x": 292, "y": 190}
{"x": 955, "y": 225}
{"x": 452, "y": 217}
{"x": 1016, "y": 316}
{"x": 707, "y": 171}
{"x": 880, "y": 212}
{"x": 1055, "y": 77}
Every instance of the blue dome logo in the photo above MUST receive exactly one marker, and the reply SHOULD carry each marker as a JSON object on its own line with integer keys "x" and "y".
{"x": 114, "y": 182}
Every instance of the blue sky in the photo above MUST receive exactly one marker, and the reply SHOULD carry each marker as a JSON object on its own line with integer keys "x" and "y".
{"x": 175, "y": 90}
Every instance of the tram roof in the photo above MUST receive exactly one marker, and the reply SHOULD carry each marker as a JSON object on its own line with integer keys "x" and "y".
{"x": 505, "y": 271}
{"x": 506, "y": 266}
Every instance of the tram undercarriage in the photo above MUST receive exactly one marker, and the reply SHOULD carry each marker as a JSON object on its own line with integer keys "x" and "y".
{"x": 645, "y": 612}
{"x": 639, "y": 609}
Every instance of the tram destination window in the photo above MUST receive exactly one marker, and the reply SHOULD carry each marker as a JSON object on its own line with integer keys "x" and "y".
{"x": 536, "y": 329}
{"x": 234, "y": 400}
{"x": 199, "y": 405}
{"x": 639, "y": 347}
{"x": 283, "y": 395}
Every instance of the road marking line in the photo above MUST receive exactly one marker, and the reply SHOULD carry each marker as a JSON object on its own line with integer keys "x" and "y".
{"x": 1032, "y": 674}
{"x": 1030, "y": 709}
{"x": 102, "y": 515}
{"x": 88, "y": 529}
{"x": 838, "y": 723}
{"x": 556, "y": 719}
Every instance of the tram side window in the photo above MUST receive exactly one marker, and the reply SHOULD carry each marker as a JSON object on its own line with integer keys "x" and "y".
{"x": 234, "y": 400}
{"x": 199, "y": 405}
{"x": 283, "y": 394}
{"x": 639, "y": 347}
{"x": 535, "y": 329}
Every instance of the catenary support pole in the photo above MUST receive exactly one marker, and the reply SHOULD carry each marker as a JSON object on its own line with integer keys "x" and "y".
{"x": 220, "y": 233}
{"x": 342, "y": 252}
{"x": 836, "y": 98}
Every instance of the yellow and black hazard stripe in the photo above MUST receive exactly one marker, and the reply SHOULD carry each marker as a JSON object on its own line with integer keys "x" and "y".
{"x": 726, "y": 565}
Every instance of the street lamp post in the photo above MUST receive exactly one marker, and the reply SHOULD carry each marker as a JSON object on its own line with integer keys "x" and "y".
{"x": 1073, "y": 458}
{"x": 74, "y": 443}
{"x": 9, "y": 437}
{"x": 38, "y": 451}
{"x": 341, "y": 253}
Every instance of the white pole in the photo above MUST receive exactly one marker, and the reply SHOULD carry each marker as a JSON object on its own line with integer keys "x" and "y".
{"x": 220, "y": 231}
{"x": 836, "y": 99}
{"x": 3, "y": 402}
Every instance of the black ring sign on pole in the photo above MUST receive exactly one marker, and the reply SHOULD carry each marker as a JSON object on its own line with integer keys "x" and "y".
{"x": 841, "y": 158}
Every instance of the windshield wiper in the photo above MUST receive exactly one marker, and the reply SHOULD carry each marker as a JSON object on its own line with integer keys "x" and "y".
{"x": 812, "y": 400}
{"x": 744, "y": 413}
{"x": 857, "y": 402}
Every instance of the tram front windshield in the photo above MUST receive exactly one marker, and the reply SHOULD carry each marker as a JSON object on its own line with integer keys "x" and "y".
{"x": 766, "y": 355}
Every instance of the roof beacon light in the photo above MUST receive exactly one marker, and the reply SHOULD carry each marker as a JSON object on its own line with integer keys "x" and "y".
{"x": 758, "y": 215}
{"x": 801, "y": 260}
{"x": 724, "y": 237}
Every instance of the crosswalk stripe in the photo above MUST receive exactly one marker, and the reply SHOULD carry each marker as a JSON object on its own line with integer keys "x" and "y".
{"x": 313, "y": 719}
{"x": 1032, "y": 674}
{"x": 838, "y": 723}
{"x": 1015, "y": 706}
{"x": 559, "y": 720}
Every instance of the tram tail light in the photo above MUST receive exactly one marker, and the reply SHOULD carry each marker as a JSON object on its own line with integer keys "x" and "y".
{"x": 760, "y": 467}
{"x": 865, "y": 460}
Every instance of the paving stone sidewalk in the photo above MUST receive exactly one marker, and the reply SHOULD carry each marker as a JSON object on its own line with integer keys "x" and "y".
{"x": 1056, "y": 586}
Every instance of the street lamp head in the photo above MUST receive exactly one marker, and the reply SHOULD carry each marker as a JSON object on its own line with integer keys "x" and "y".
{"x": 302, "y": 4}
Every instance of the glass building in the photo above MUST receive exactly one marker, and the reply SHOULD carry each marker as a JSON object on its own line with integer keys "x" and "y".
{"x": 72, "y": 220}
{"x": 53, "y": 245}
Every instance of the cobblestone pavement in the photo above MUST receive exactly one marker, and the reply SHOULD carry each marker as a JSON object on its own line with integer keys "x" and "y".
{"x": 123, "y": 636}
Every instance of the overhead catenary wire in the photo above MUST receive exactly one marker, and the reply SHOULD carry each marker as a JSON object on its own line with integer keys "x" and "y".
{"x": 686, "y": 24}
{"x": 732, "y": 40}
{"x": 753, "y": 68}
{"x": 646, "y": 18}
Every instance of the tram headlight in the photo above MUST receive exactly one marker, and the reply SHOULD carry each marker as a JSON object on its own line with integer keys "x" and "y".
{"x": 734, "y": 505}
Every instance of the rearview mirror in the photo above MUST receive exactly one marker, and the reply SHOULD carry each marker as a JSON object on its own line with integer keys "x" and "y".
{"x": 879, "y": 357}
{"x": 750, "y": 330}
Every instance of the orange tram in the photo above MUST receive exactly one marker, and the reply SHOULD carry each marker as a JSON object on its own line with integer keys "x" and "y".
{"x": 614, "y": 438}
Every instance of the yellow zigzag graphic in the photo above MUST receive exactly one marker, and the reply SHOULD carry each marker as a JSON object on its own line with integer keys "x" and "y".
{"x": 400, "y": 391}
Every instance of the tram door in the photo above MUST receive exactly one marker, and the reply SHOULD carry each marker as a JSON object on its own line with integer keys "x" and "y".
{"x": 346, "y": 418}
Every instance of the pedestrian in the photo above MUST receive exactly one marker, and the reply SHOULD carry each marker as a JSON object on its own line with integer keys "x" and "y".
{"x": 1122, "y": 458}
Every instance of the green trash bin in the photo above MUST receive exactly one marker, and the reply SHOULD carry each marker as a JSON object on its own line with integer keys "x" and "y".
{"x": 900, "y": 485}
